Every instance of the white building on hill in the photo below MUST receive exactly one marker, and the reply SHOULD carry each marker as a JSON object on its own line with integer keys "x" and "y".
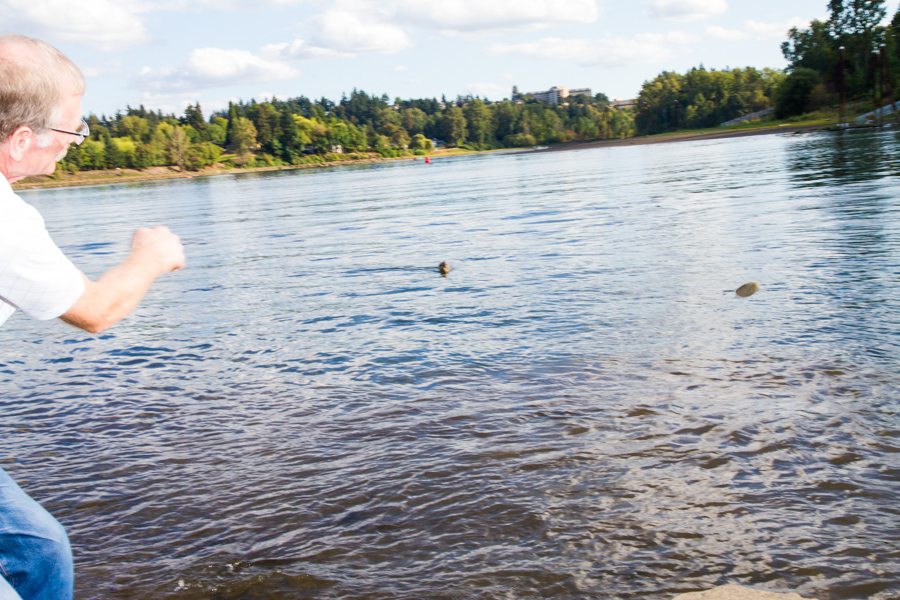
{"x": 554, "y": 94}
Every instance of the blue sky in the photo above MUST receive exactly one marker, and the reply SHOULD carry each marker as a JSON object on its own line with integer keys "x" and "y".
{"x": 167, "y": 53}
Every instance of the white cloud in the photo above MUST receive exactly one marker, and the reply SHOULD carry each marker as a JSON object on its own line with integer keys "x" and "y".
{"x": 299, "y": 50}
{"x": 673, "y": 37}
{"x": 552, "y": 48}
{"x": 112, "y": 67}
{"x": 607, "y": 52}
{"x": 350, "y": 31}
{"x": 401, "y": 68}
{"x": 684, "y": 10}
{"x": 242, "y": 4}
{"x": 488, "y": 90}
{"x": 771, "y": 31}
{"x": 356, "y": 26}
{"x": 755, "y": 30}
{"x": 211, "y": 106}
{"x": 507, "y": 76}
{"x": 720, "y": 33}
{"x": 108, "y": 25}
{"x": 469, "y": 16}
{"x": 214, "y": 67}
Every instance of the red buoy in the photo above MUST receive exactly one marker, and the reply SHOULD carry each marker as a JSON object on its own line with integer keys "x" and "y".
{"x": 427, "y": 160}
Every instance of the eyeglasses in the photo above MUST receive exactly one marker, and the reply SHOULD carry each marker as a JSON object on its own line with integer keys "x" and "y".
{"x": 83, "y": 132}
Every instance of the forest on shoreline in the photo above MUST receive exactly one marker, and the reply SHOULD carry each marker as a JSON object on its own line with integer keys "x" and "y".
{"x": 300, "y": 130}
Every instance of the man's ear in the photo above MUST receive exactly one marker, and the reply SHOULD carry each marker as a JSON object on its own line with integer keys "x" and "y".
{"x": 20, "y": 141}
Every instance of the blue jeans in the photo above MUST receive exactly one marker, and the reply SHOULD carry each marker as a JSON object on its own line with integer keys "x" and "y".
{"x": 35, "y": 556}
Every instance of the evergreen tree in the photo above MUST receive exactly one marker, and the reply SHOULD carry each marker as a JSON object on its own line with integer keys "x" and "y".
{"x": 193, "y": 116}
{"x": 454, "y": 126}
{"x": 479, "y": 124}
{"x": 232, "y": 122}
{"x": 113, "y": 155}
{"x": 290, "y": 137}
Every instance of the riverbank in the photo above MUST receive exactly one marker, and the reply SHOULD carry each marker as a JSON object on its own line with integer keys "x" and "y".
{"x": 690, "y": 136}
{"x": 82, "y": 178}
{"x": 104, "y": 177}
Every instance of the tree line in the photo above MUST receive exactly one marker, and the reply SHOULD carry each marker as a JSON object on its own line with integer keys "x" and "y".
{"x": 300, "y": 130}
{"x": 814, "y": 55}
{"x": 703, "y": 98}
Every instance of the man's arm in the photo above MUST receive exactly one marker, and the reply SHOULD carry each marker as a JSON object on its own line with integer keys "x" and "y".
{"x": 107, "y": 300}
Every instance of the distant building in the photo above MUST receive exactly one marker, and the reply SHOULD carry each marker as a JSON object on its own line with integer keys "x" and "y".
{"x": 554, "y": 94}
{"x": 619, "y": 103}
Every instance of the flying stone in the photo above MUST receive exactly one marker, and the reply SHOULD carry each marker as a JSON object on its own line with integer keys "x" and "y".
{"x": 748, "y": 289}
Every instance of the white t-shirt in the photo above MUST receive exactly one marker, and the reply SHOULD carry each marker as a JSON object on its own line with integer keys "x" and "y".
{"x": 35, "y": 276}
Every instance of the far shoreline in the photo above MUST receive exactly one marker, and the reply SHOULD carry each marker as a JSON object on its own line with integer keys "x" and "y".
{"x": 87, "y": 178}
{"x": 681, "y": 137}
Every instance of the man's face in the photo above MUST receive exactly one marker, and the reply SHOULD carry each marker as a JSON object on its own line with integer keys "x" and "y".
{"x": 42, "y": 161}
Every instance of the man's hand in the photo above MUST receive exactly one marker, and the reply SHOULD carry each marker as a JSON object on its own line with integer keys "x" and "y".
{"x": 154, "y": 251}
{"x": 159, "y": 247}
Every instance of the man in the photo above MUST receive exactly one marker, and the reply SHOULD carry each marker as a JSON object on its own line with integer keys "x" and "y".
{"x": 40, "y": 115}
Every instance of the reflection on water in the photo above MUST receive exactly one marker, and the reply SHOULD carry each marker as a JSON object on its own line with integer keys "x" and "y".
{"x": 582, "y": 408}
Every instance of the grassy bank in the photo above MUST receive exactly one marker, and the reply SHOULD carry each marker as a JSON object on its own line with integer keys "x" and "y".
{"x": 825, "y": 119}
{"x": 62, "y": 179}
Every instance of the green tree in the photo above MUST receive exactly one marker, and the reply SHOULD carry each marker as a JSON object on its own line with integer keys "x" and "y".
{"x": 243, "y": 136}
{"x": 198, "y": 156}
{"x": 400, "y": 138}
{"x": 420, "y": 142}
{"x": 793, "y": 95}
{"x": 94, "y": 154}
{"x": 479, "y": 124}
{"x": 520, "y": 140}
{"x": 290, "y": 138}
{"x": 176, "y": 146}
{"x": 266, "y": 120}
{"x": 193, "y": 116}
{"x": 413, "y": 120}
{"x": 145, "y": 156}
{"x": 217, "y": 131}
{"x": 232, "y": 122}
{"x": 454, "y": 126}
{"x": 136, "y": 128}
{"x": 114, "y": 157}
{"x": 811, "y": 48}
{"x": 192, "y": 134}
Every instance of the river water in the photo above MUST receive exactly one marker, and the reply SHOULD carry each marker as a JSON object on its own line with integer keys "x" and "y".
{"x": 581, "y": 409}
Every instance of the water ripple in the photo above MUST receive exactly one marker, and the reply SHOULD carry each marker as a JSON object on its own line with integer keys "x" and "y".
{"x": 582, "y": 408}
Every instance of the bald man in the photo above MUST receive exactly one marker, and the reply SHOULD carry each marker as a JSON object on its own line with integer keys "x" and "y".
{"x": 40, "y": 116}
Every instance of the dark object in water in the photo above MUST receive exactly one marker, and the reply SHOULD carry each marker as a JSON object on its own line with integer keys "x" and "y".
{"x": 444, "y": 268}
{"x": 748, "y": 289}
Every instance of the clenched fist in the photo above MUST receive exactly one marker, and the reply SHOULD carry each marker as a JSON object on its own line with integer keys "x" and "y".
{"x": 159, "y": 247}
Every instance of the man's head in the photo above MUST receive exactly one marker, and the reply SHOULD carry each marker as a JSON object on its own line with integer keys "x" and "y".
{"x": 40, "y": 90}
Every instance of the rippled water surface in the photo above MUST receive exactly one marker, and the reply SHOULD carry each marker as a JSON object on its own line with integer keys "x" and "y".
{"x": 581, "y": 409}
